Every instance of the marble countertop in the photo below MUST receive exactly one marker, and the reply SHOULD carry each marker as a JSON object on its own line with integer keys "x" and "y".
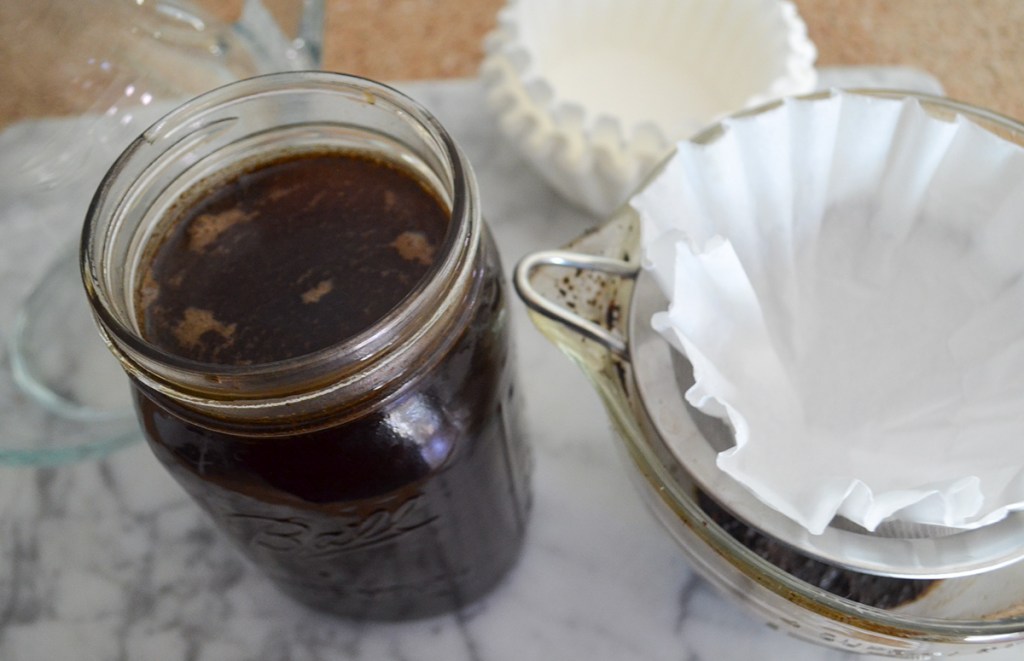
{"x": 109, "y": 559}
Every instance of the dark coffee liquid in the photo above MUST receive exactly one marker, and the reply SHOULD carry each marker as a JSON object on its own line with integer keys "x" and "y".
{"x": 288, "y": 258}
{"x": 877, "y": 591}
{"x": 409, "y": 507}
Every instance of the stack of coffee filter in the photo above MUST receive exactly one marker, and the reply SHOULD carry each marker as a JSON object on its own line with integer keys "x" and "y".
{"x": 594, "y": 93}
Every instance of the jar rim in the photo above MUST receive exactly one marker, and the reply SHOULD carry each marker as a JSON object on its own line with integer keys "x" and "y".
{"x": 349, "y": 356}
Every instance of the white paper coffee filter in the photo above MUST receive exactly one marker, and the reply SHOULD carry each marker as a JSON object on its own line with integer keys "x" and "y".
{"x": 846, "y": 276}
{"x": 594, "y": 93}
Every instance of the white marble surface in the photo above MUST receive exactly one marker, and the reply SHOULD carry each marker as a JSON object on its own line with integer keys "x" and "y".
{"x": 110, "y": 560}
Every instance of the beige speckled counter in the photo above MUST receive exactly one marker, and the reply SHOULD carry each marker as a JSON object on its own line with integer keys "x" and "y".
{"x": 975, "y": 47}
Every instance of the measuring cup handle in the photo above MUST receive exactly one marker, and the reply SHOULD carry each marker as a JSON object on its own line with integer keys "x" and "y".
{"x": 544, "y": 306}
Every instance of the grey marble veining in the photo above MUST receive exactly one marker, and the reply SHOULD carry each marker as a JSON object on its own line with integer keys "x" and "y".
{"x": 109, "y": 560}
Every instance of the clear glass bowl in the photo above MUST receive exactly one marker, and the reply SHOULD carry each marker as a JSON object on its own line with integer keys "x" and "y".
{"x": 82, "y": 78}
{"x": 585, "y": 299}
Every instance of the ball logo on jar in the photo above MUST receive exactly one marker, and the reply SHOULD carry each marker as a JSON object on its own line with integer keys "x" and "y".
{"x": 353, "y": 529}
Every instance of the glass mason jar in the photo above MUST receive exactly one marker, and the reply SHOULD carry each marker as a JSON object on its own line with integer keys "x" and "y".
{"x": 384, "y": 475}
